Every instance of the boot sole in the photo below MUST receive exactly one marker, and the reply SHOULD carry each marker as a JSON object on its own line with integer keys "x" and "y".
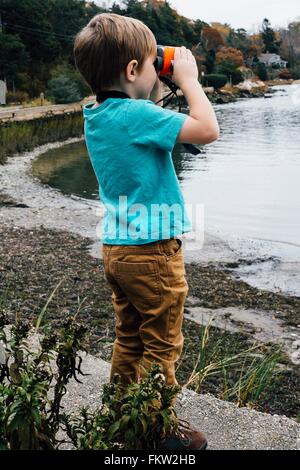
{"x": 203, "y": 447}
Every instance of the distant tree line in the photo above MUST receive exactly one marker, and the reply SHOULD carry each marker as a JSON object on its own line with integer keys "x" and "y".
{"x": 36, "y": 41}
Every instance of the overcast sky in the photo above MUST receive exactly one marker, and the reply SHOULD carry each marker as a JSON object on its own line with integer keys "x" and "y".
{"x": 247, "y": 14}
{"x": 240, "y": 13}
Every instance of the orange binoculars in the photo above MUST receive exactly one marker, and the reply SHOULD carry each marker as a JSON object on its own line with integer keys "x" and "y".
{"x": 164, "y": 60}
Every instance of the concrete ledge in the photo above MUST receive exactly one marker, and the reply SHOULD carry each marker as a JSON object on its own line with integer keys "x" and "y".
{"x": 226, "y": 425}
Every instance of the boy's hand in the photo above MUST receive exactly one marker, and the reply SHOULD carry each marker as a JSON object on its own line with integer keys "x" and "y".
{"x": 184, "y": 67}
{"x": 157, "y": 92}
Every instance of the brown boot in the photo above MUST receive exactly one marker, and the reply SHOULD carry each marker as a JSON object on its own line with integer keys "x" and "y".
{"x": 186, "y": 438}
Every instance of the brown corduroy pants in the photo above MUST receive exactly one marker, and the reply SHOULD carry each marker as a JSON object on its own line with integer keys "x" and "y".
{"x": 149, "y": 289}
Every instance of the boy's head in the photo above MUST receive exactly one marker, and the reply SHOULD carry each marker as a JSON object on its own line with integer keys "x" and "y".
{"x": 117, "y": 52}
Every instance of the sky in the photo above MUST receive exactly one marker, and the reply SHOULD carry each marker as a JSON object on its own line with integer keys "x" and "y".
{"x": 240, "y": 13}
{"x": 247, "y": 14}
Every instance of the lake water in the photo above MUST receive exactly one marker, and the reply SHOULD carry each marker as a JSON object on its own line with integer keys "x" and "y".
{"x": 248, "y": 180}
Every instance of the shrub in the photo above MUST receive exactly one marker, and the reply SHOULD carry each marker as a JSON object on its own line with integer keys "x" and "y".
{"x": 285, "y": 74}
{"x": 63, "y": 90}
{"x": 29, "y": 419}
{"x": 135, "y": 417}
{"x": 74, "y": 75}
{"x": 17, "y": 97}
{"x": 215, "y": 80}
{"x": 236, "y": 76}
{"x": 229, "y": 68}
{"x": 295, "y": 72}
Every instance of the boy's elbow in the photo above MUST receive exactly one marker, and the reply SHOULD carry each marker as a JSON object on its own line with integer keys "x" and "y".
{"x": 194, "y": 132}
{"x": 212, "y": 135}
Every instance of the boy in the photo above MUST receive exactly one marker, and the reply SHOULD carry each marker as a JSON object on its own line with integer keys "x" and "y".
{"x": 129, "y": 140}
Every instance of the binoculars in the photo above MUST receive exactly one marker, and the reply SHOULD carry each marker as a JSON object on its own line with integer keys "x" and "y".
{"x": 164, "y": 60}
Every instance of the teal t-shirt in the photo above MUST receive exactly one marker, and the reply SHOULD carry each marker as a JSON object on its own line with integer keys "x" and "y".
{"x": 129, "y": 142}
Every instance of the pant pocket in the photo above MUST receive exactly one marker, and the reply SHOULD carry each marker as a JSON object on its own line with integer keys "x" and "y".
{"x": 140, "y": 281}
{"x": 175, "y": 263}
{"x": 173, "y": 249}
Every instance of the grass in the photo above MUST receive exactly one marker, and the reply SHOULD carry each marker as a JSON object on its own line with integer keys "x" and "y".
{"x": 22, "y": 136}
{"x": 37, "y": 102}
{"x": 242, "y": 373}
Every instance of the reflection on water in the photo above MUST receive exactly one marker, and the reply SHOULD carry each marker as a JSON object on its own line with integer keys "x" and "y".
{"x": 248, "y": 180}
{"x": 68, "y": 168}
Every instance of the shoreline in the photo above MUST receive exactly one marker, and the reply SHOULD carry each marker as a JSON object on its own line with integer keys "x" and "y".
{"x": 48, "y": 237}
{"x": 263, "y": 264}
{"x": 27, "y": 203}
{"x": 18, "y": 112}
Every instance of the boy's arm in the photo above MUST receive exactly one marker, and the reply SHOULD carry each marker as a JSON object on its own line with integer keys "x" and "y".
{"x": 157, "y": 92}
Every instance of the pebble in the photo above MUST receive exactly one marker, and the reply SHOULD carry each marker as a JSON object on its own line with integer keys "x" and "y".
{"x": 296, "y": 344}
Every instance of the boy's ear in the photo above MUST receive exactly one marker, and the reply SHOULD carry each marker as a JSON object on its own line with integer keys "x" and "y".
{"x": 130, "y": 71}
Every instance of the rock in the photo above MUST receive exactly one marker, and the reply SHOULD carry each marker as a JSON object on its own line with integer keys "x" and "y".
{"x": 208, "y": 89}
{"x": 252, "y": 87}
{"x": 245, "y": 85}
{"x": 296, "y": 344}
{"x": 295, "y": 357}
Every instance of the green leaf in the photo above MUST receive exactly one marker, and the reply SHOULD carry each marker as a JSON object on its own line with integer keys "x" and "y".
{"x": 124, "y": 421}
{"x": 113, "y": 429}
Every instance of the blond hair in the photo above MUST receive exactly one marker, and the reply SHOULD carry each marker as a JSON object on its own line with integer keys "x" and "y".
{"x": 105, "y": 46}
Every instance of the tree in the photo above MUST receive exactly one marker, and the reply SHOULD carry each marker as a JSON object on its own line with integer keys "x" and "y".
{"x": 210, "y": 58}
{"x": 46, "y": 29}
{"x": 212, "y": 39}
{"x": 228, "y": 59}
{"x": 253, "y": 51}
{"x": 269, "y": 38}
{"x": 290, "y": 46}
{"x": 230, "y": 54}
{"x": 29, "y": 19}
{"x": 13, "y": 57}
{"x": 38, "y": 35}
{"x": 239, "y": 39}
{"x": 261, "y": 71}
{"x": 91, "y": 9}
{"x": 224, "y": 29}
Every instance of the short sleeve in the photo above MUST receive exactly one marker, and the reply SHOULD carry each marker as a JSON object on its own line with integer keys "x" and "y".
{"x": 149, "y": 124}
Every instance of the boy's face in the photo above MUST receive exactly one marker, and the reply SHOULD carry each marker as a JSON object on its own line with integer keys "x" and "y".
{"x": 143, "y": 82}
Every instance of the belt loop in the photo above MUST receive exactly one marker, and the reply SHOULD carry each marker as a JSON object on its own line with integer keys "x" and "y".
{"x": 107, "y": 247}
{"x": 162, "y": 245}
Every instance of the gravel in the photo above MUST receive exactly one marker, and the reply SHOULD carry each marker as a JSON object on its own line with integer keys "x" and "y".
{"x": 225, "y": 425}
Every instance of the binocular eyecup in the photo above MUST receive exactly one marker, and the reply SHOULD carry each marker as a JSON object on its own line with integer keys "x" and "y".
{"x": 165, "y": 60}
